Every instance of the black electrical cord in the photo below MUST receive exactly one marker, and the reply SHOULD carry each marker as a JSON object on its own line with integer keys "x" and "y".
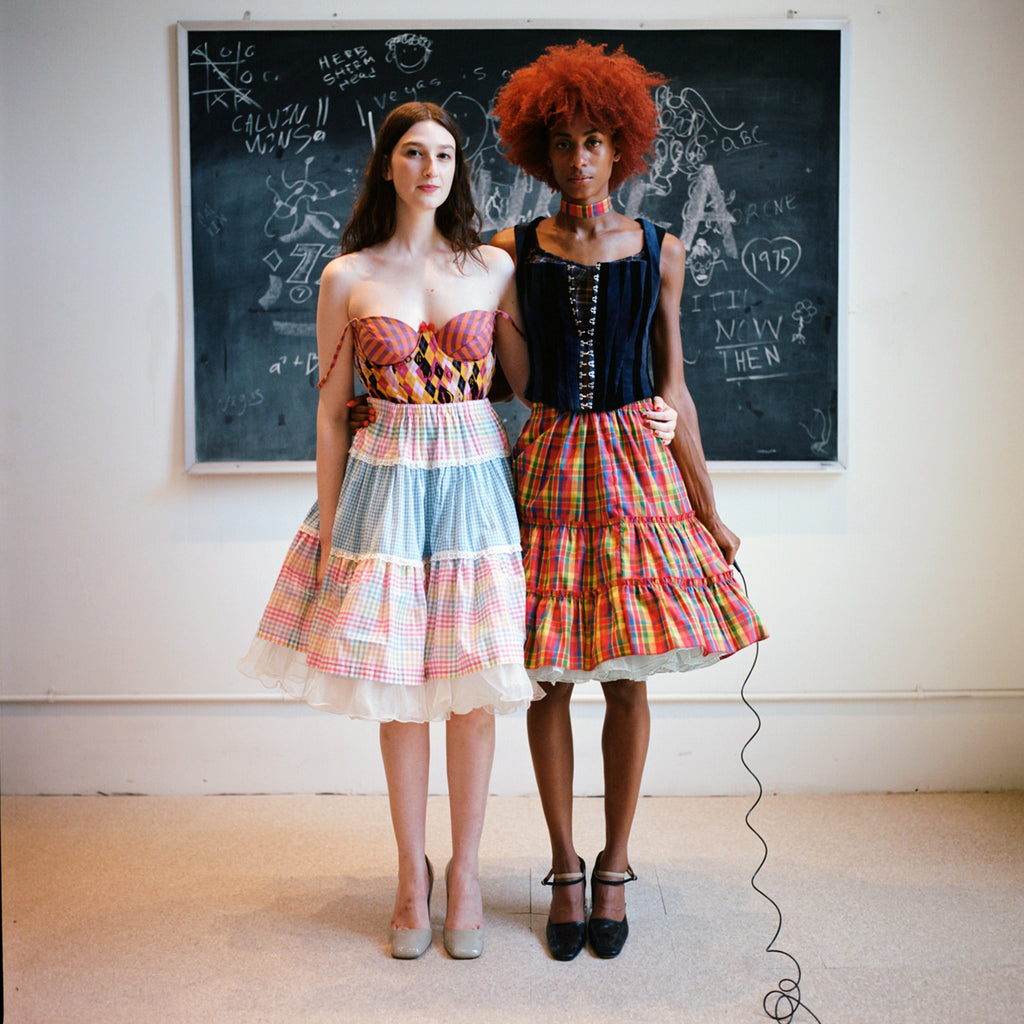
{"x": 781, "y": 1003}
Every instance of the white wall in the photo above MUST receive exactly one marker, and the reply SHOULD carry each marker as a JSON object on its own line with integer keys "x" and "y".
{"x": 893, "y": 591}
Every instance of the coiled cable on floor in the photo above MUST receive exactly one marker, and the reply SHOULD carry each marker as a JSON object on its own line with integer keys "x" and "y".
{"x": 782, "y": 1003}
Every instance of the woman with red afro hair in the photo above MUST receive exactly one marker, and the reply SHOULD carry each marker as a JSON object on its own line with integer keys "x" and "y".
{"x": 613, "y": 91}
{"x": 627, "y": 563}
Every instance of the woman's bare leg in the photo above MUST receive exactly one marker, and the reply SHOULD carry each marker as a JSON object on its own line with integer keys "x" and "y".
{"x": 624, "y": 742}
{"x": 405, "y": 749}
{"x": 470, "y": 754}
{"x": 549, "y": 727}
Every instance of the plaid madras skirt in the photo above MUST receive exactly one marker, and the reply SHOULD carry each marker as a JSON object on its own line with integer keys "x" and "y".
{"x": 420, "y": 615}
{"x": 623, "y": 581}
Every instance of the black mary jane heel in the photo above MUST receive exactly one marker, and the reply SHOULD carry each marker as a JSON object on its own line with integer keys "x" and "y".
{"x": 607, "y": 937}
{"x": 567, "y": 938}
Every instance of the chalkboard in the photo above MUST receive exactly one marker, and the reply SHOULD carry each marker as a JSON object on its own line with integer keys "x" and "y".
{"x": 277, "y": 123}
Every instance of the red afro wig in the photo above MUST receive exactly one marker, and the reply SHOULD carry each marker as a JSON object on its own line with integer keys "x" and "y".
{"x": 611, "y": 91}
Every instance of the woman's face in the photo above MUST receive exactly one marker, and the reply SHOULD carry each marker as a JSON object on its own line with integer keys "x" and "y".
{"x": 422, "y": 166}
{"x": 582, "y": 158}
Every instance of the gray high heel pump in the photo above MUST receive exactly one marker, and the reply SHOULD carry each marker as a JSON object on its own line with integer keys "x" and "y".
{"x": 410, "y": 943}
{"x": 462, "y": 943}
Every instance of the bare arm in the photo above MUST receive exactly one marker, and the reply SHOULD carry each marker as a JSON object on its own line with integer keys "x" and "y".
{"x": 332, "y": 427}
{"x": 509, "y": 344}
{"x": 669, "y": 381}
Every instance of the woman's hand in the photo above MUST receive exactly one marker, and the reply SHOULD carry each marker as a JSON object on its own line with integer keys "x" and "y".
{"x": 726, "y": 540}
{"x": 360, "y": 413}
{"x": 661, "y": 419}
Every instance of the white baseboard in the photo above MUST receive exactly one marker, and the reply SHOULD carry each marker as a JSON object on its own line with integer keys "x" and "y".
{"x": 229, "y": 743}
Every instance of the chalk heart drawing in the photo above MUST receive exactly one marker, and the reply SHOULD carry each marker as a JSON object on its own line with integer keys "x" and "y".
{"x": 770, "y": 260}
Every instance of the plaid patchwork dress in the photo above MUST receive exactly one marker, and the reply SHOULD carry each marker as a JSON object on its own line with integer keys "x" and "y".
{"x": 623, "y": 581}
{"x": 420, "y": 615}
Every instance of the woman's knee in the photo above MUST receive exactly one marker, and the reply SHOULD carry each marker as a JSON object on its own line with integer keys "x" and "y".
{"x": 479, "y": 720}
{"x": 624, "y": 696}
{"x": 555, "y": 693}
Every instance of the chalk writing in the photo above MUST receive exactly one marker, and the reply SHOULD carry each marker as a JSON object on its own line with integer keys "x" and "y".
{"x": 726, "y": 299}
{"x": 770, "y": 260}
{"x": 739, "y": 328}
{"x": 750, "y": 362}
{"x": 277, "y": 130}
{"x": 347, "y": 67}
{"x": 707, "y": 206}
{"x": 308, "y": 252}
{"x": 308, "y": 363}
{"x": 688, "y": 128}
{"x": 384, "y": 101}
{"x": 768, "y": 209}
{"x": 231, "y": 405}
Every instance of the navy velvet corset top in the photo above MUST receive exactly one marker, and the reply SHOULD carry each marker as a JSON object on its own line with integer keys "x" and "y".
{"x": 588, "y": 327}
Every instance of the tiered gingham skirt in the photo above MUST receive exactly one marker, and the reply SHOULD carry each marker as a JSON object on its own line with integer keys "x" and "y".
{"x": 421, "y": 611}
{"x": 623, "y": 581}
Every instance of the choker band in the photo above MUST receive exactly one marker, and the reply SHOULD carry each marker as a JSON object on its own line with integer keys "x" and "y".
{"x": 584, "y": 210}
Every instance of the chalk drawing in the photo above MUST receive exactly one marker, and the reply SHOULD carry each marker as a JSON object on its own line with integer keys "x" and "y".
{"x": 297, "y": 208}
{"x": 820, "y": 432}
{"x": 212, "y": 222}
{"x": 409, "y": 52}
{"x": 803, "y": 313}
{"x": 226, "y": 82}
{"x": 701, "y": 261}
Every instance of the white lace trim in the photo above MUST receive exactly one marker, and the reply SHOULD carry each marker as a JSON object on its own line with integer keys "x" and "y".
{"x": 636, "y": 667}
{"x": 434, "y": 463}
{"x": 437, "y": 556}
{"x": 499, "y": 689}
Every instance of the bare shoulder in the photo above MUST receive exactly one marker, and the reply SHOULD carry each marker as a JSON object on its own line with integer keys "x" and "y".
{"x": 506, "y": 241}
{"x": 497, "y": 259}
{"x": 343, "y": 271}
{"x": 673, "y": 256}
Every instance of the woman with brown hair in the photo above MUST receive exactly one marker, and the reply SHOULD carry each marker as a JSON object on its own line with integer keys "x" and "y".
{"x": 401, "y": 597}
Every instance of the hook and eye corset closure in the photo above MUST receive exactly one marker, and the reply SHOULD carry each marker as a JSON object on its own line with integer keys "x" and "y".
{"x": 587, "y": 327}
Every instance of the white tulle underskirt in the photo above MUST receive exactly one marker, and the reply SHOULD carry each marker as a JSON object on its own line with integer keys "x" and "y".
{"x": 499, "y": 689}
{"x": 635, "y": 667}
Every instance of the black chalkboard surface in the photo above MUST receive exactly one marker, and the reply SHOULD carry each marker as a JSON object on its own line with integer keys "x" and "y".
{"x": 278, "y": 122}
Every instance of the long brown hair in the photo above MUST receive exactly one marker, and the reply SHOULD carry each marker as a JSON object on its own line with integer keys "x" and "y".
{"x": 374, "y": 213}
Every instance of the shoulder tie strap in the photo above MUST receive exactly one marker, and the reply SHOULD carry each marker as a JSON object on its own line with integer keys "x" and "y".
{"x": 323, "y": 380}
{"x": 517, "y": 328}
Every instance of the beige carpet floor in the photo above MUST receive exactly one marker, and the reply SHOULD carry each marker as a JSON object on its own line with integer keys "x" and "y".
{"x": 274, "y": 910}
